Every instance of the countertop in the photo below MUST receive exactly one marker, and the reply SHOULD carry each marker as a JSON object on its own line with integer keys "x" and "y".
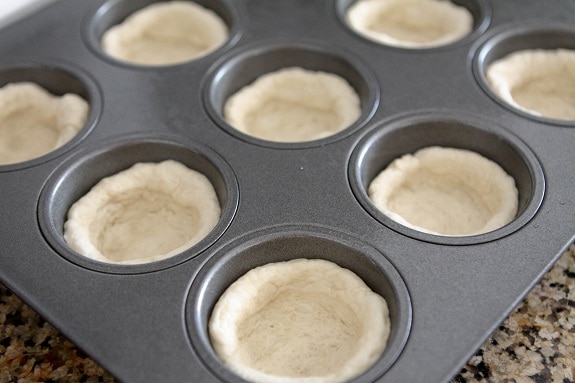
{"x": 535, "y": 344}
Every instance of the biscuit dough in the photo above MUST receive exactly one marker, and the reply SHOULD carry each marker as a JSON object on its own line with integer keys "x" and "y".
{"x": 146, "y": 213}
{"x": 166, "y": 33}
{"x": 446, "y": 191}
{"x": 540, "y": 82}
{"x": 293, "y": 105}
{"x": 34, "y": 122}
{"x": 299, "y": 321}
{"x": 410, "y": 23}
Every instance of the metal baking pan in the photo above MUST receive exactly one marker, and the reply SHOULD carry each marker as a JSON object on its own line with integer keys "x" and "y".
{"x": 148, "y": 323}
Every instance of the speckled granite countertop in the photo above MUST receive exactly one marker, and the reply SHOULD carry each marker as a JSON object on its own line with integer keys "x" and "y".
{"x": 536, "y": 343}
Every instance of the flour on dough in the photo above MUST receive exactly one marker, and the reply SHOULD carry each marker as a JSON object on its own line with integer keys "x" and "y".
{"x": 410, "y": 23}
{"x": 446, "y": 191}
{"x": 166, "y": 33}
{"x": 300, "y": 321}
{"x": 293, "y": 105}
{"x": 540, "y": 82}
{"x": 146, "y": 213}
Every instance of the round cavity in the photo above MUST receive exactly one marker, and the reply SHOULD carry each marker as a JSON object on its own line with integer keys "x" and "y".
{"x": 493, "y": 145}
{"x": 530, "y": 71}
{"x": 95, "y": 232}
{"x": 286, "y": 244}
{"x": 252, "y": 86}
{"x": 415, "y": 24}
{"x": 153, "y": 33}
{"x": 45, "y": 109}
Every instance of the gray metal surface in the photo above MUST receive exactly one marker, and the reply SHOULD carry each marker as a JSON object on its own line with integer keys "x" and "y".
{"x": 147, "y": 323}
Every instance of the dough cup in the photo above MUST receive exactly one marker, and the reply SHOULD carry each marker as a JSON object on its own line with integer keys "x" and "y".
{"x": 147, "y": 213}
{"x": 311, "y": 274}
{"x": 34, "y": 122}
{"x": 165, "y": 33}
{"x": 293, "y": 105}
{"x": 446, "y": 191}
{"x": 477, "y": 158}
{"x": 304, "y": 320}
{"x": 537, "y": 81}
{"x": 330, "y": 94}
{"x": 410, "y": 23}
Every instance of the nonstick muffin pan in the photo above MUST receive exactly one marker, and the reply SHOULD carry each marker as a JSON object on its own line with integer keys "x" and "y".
{"x": 148, "y": 322}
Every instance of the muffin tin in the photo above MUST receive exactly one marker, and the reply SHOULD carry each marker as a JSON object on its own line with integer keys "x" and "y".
{"x": 280, "y": 201}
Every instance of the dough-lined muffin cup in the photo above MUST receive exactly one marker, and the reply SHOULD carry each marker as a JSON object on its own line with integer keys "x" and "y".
{"x": 410, "y": 23}
{"x": 147, "y": 213}
{"x": 446, "y": 191}
{"x": 293, "y": 105}
{"x": 303, "y": 320}
{"x": 462, "y": 139}
{"x": 34, "y": 122}
{"x": 165, "y": 33}
{"x": 538, "y": 81}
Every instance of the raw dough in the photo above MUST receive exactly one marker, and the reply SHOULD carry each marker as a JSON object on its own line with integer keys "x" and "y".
{"x": 166, "y": 33}
{"x": 410, "y": 23}
{"x": 146, "y": 213}
{"x": 540, "y": 82}
{"x": 34, "y": 122}
{"x": 446, "y": 191}
{"x": 299, "y": 321}
{"x": 293, "y": 105}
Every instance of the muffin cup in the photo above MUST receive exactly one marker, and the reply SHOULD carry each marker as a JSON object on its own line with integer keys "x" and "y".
{"x": 285, "y": 243}
{"x": 514, "y": 38}
{"x": 79, "y": 173}
{"x": 480, "y": 10}
{"x": 58, "y": 79}
{"x": 237, "y": 70}
{"x": 113, "y": 12}
{"x": 392, "y": 139}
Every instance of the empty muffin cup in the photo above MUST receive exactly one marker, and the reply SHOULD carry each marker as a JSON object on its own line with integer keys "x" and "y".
{"x": 446, "y": 191}
{"x": 34, "y": 122}
{"x": 410, "y": 23}
{"x": 537, "y": 81}
{"x": 303, "y": 320}
{"x": 165, "y": 33}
